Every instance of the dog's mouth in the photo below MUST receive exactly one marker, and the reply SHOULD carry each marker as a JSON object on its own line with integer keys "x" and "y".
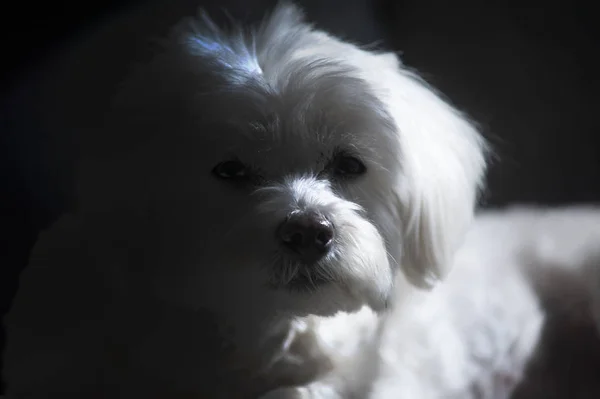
{"x": 300, "y": 277}
{"x": 306, "y": 282}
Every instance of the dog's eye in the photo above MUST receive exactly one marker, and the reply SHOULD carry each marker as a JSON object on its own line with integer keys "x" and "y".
{"x": 231, "y": 170}
{"x": 349, "y": 166}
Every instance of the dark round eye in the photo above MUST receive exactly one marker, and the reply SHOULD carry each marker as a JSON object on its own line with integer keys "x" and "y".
{"x": 231, "y": 170}
{"x": 349, "y": 166}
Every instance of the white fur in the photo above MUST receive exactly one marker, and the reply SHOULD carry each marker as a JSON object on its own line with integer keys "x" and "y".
{"x": 167, "y": 282}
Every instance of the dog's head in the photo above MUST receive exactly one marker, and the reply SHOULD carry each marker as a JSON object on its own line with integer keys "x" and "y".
{"x": 285, "y": 166}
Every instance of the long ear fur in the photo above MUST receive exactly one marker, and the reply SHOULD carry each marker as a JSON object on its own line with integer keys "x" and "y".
{"x": 443, "y": 165}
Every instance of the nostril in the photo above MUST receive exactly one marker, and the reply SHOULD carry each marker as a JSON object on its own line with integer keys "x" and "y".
{"x": 324, "y": 237}
{"x": 294, "y": 238}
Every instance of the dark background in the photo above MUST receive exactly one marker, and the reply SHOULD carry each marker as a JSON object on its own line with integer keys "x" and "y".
{"x": 528, "y": 74}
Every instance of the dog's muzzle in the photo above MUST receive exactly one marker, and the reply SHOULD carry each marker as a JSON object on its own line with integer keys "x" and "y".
{"x": 307, "y": 235}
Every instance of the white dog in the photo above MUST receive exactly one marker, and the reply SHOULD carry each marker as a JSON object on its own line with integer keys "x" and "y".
{"x": 251, "y": 206}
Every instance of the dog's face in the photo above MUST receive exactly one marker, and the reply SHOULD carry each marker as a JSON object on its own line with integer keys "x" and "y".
{"x": 288, "y": 169}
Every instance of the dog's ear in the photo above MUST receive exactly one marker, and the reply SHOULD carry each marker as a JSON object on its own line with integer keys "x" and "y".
{"x": 443, "y": 164}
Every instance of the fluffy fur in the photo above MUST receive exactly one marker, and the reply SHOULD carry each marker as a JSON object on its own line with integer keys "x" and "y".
{"x": 167, "y": 281}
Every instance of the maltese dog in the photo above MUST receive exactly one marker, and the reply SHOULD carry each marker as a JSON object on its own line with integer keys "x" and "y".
{"x": 258, "y": 216}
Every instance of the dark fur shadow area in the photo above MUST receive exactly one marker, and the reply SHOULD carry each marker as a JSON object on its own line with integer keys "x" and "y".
{"x": 567, "y": 362}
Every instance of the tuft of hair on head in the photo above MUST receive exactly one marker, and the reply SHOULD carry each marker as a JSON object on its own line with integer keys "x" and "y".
{"x": 232, "y": 52}
{"x": 238, "y": 52}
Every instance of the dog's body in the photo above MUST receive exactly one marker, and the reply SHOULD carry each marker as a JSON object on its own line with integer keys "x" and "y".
{"x": 255, "y": 216}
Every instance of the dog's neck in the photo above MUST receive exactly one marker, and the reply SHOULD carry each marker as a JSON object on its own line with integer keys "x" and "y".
{"x": 279, "y": 350}
{"x": 247, "y": 352}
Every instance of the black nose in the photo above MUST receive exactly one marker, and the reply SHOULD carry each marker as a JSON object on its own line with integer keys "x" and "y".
{"x": 308, "y": 234}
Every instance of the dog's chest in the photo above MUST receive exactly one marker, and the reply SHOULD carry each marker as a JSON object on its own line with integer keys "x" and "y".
{"x": 344, "y": 335}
